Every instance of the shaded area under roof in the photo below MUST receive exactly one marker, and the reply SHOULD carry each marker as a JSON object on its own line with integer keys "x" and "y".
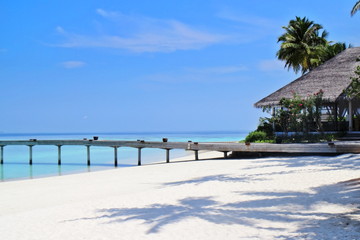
{"x": 332, "y": 77}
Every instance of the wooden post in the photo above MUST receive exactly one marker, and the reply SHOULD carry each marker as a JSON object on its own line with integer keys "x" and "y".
{"x": 139, "y": 156}
{"x": 59, "y": 154}
{"x": 167, "y": 155}
{"x": 336, "y": 116}
{"x": 115, "y": 156}
{"x": 350, "y": 116}
{"x": 273, "y": 115}
{"x": 88, "y": 154}
{"x": 225, "y": 155}
{"x": 30, "y": 154}
{"x": 196, "y": 154}
{"x": 1, "y": 154}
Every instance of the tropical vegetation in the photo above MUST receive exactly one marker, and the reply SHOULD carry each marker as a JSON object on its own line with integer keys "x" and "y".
{"x": 353, "y": 91}
{"x": 300, "y": 116}
{"x": 304, "y": 45}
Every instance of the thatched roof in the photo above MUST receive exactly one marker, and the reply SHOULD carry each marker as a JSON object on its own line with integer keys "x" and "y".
{"x": 332, "y": 77}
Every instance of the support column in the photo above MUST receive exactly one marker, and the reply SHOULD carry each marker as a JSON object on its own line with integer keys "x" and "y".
{"x": 225, "y": 155}
{"x": 88, "y": 154}
{"x": 139, "y": 156}
{"x": 59, "y": 154}
{"x": 196, "y": 154}
{"x": 115, "y": 156}
{"x": 30, "y": 154}
{"x": 273, "y": 115}
{"x": 350, "y": 112}
{"x": 167, "y": 155}
{"x": 336, "y": 116}
{"x": 1, "y": 154}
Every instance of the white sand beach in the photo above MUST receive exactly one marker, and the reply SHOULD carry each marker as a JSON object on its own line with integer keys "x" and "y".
{"x": 266, "y": 198}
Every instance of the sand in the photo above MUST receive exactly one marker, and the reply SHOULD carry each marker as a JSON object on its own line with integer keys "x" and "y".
{"x": 265, "y": 198}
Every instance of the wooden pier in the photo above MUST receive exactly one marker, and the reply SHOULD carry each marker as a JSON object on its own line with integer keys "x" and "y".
{"x": 339, "y": 147}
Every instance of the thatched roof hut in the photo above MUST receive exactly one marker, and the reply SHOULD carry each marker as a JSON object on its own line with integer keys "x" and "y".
{"x": 332, "y": 77}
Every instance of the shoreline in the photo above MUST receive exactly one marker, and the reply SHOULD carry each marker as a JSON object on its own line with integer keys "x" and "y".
{"x": 262, "y": 198}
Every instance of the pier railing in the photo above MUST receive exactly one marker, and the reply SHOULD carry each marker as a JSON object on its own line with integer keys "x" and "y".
{"x": 88, "y": 143}
{"x": 331, "y": 147}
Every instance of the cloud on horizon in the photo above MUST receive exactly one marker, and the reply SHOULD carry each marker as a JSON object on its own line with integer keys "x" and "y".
{"x": 271, "y": 65}
{"x": 142, "y": 34}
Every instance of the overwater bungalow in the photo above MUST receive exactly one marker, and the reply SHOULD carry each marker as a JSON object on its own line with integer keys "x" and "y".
{"x": 332, "y": 77}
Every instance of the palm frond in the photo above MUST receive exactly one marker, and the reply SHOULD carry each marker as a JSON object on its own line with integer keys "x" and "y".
{"x": 355, "y": 8}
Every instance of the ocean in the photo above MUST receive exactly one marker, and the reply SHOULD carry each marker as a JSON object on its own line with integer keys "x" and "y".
{"x": 74, "y": 158}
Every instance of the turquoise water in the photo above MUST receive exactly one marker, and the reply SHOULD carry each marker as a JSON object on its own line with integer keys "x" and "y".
{"x": 16, "y": 158}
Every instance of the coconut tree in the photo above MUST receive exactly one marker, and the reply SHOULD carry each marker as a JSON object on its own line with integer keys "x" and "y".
{"x": 355, "y": 8}
{"x": 330, "y": 50}
{"x": 302, "y": 45}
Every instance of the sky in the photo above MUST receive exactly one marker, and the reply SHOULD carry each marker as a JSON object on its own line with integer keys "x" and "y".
{"x": 148, "y": 66}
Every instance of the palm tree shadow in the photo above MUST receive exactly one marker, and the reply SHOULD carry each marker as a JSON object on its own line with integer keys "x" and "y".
{"x": 343, "y": 161}
{"x": 212, "y": 178}
{"x": 160, "y": 215}
{"x": 255, "y": 207}
{"x": 275, "y": 207}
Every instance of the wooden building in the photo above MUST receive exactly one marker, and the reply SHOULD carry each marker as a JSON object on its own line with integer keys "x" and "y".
{"x": 332, "y": 77}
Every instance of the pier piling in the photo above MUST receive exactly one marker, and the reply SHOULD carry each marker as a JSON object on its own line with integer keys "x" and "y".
{"x": 30, "y": 154}
{"x": 115, "y": 156}
{"x": 59, "y": 154}
{"x": 139, "y": 156}
{"x": 1, "y": 154}
{"x": 167, "y": 155}
{"x": 88, "y": 154}
{"x": 196, "y": 154}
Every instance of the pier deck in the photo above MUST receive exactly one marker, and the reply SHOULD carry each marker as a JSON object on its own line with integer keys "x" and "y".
{"x": 337, "y": 147}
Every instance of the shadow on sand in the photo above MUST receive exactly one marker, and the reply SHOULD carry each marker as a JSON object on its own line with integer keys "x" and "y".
{"x": 280, "y": 208}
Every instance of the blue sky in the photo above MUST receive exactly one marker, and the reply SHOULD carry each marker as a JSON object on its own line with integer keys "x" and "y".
{"x": 133, "y": 66}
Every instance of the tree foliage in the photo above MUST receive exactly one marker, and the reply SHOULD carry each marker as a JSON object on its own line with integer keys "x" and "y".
{"x": 300, "y": 114}
{"x": 304, "y": 45}
{"x": 353, "y": 91}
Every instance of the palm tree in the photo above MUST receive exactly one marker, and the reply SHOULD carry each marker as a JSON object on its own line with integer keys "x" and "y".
{"x": 302, "y": 45}
{"x": 331, "y": 50}
{"x": 355, "y": 8}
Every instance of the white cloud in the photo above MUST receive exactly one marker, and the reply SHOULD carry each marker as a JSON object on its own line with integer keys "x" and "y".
{"x": 73, "y": 64}
{"x": 143, "y": 34}
{"x": 211, "y": 74}
{"x": 247, "y": 19}
{"x": 271, "y": 65}
{"x": 253, "y": 27}
{"x": 218, "y": 70}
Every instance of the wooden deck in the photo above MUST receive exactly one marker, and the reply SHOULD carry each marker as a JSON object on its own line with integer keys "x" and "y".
{"x": 316, "y": 148}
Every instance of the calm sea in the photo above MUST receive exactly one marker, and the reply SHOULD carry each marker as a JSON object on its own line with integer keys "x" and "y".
{"x": 16, "y": 158}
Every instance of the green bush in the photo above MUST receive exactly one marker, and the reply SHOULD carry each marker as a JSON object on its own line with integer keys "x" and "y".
{"x": 266, "y": 126}
{"x": 256, "y": 136}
